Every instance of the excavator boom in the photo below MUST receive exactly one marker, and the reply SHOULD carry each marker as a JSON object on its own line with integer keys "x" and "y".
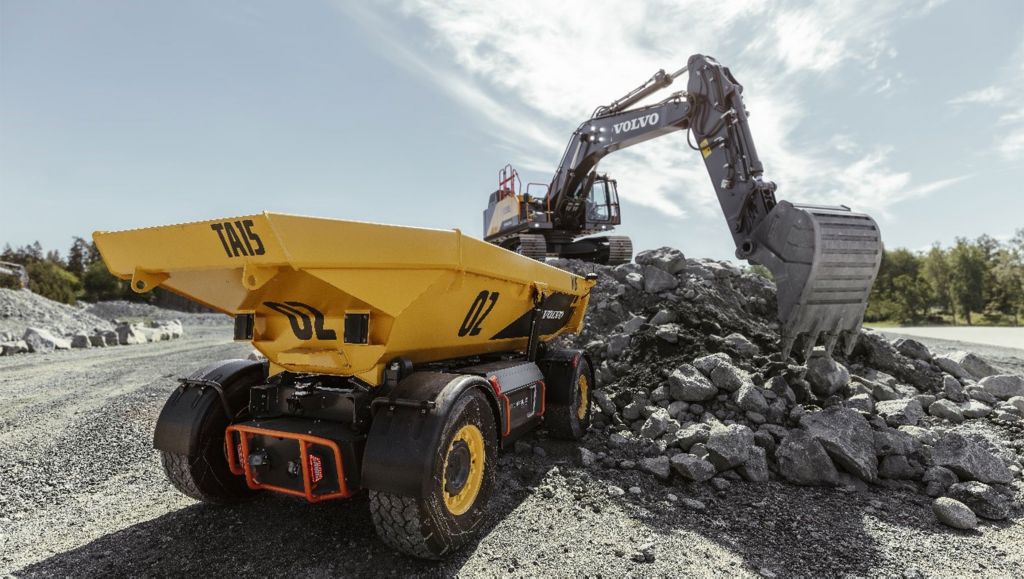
{"x": 824, "y": 258}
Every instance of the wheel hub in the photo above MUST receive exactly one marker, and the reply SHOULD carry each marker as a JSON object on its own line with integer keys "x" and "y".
{"x": 458, "y": 468}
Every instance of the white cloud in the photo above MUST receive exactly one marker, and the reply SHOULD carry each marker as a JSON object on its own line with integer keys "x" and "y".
{"x": 535, "y": 69}
{"x": 987, "y": 95}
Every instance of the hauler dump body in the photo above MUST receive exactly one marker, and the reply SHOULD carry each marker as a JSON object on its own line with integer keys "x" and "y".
{"x": 398, "y": 360}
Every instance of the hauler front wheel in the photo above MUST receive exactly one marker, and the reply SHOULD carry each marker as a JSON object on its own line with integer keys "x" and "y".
{"x": 462, "y": 480}
{"x": 571, "y": 420}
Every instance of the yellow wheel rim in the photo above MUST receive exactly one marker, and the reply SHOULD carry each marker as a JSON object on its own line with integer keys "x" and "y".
{"x": 581, "y": 411}
{"x": 468, "y": 438}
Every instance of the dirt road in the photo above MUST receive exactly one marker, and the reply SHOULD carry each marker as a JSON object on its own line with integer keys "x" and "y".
{"x": 1000, "y": 337}
{"x": 82, "y": 494}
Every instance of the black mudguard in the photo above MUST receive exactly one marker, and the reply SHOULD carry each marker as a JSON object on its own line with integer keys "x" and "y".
{"x": 178, "y": 427}
{"x": 559, "y": 368}
{"x": 402, "y": 442}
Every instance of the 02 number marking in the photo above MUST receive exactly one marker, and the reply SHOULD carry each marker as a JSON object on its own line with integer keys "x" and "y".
{"x": 478, "y": 311}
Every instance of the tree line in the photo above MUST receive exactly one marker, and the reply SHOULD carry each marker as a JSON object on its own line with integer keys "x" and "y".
{"x": 81, "y": 275}
{"x": 973, "y": 281}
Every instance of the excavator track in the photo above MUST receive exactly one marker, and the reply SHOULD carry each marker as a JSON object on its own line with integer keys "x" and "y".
{"x": 533, "y": 246}
{"x": 620, "y": 250}
{"x": 824, "y": 259}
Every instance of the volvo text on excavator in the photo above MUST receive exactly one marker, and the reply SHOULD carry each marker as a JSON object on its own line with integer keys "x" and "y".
{"x": 824, "y": 258}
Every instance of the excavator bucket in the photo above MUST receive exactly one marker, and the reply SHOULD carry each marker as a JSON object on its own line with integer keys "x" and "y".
{"x": 824, "y": 259}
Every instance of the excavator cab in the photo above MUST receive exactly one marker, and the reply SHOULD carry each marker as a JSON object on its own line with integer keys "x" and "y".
{"x": 602, "y": 204}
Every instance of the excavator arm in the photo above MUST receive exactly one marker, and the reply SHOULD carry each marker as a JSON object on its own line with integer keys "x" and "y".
{"x": 824, "y": 258}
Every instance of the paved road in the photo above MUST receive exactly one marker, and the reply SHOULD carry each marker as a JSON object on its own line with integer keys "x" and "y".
{"x": 986, "y": 335}
{"x": 82, "y": 494}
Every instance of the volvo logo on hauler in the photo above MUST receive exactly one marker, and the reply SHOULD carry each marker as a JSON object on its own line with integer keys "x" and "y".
{"x": 637, "y": 123}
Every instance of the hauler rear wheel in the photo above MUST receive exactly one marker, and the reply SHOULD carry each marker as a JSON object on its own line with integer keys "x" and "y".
{"x": 571, "y": 421}
{"x": 462, "y": 480}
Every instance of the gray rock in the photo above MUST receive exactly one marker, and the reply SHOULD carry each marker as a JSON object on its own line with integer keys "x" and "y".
{"x": 755, "y": 469}
{"x": 847, "y": 438}
{"x": 660, "y": 393}
{"x": 778, "y": 386}
{"x": 604, "y": 402}
{"x": 922, "y": 435}
{"x": 587, "y": 458}
{"x": 900, "y": 412}
{"x": 97, "y": 341}
{"x": 708, "y": 363}
{"x": 953, "y": 513}
{"x": 1017, "y": 402}
{"x": 1003, "y": 386}
{"x": 632, "y": 410}
{"x": 667, "y": 259}
{"x": 938, "y": 480}
{"x": 80, "y": 341}
{"x": 40, "y": 340}
{"x": 657, "y": 280}
{"x": 617, "y": 345}
{"x": 749, "y": 398}
{"x": 969, "y": 459}
{"x": 975, "y": 409}
{"x": 689, "y": 385}
{"x": 900, "y": 467}
{"x": 128, "y": 334}
{"x": 951, "y": 366}
{"x": 657, "y": 466}
{"x": 687, "y": 436}
{"x": 692, "y": 504}
{"x": 826, "y": 375}
{"x": 668, "y": 332}
{"x": 662, "y": 317}
{"x": 635, "y": 280}
{"x": 803, "y": 461}
{"x": 912, "y": 349}
{"x": 973, "y": 365}
{"x": 632, "y": 325}
{"x": 728, "y": 377}
{"x": 676, "y": 408}
{"x": 656, "y": 424}
{"x": 14, "y": 347}
{"x": 984, "y": 500}
{"x": 691, "y": 467}
{"x": 741, "y": 345}
{"x": 952, "y": 389}
{"x": 729, "y": 446}
{"x": 861, "y": 402}
{"x": 889, "y": 441}
{"x": 947, "y": 410}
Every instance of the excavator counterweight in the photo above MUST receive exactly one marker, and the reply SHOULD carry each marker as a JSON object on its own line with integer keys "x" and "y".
{"x": 824, "y": 258}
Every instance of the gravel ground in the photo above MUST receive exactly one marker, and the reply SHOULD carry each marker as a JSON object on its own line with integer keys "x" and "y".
{"x": 82, "y": 493}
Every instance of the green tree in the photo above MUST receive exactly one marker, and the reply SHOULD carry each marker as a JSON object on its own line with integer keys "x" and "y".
{"x": 967, "y": 277}
{"x": 50, "y": 280}
{"x": 935, "y": 270}
{"x": 101, "y": 285}
{"x": 78, "y": 257}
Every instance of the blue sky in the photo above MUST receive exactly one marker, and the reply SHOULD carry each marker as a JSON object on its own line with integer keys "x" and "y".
{"x": 118, "y": 114}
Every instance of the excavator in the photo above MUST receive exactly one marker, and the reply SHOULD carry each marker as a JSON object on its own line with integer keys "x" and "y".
{"x": 823, "y": 258}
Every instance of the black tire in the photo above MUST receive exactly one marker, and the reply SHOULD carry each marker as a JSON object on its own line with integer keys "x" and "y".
{"x": 428, "y": 527}
{"x": 205, "y": 475}
{"x": 571, "y": 421}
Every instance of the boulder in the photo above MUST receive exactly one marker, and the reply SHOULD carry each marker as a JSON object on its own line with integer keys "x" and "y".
{"x": 97, "y": 341}
{"x": 900, "y": 467}
{"x": 984, "y": 500}
{"x": 741, "y": 345}
{"x": 969, "y": 459}
{"x": 657, "y": 280}
{"x": 803, "y": 461}
{"x": 80, "y": 341}
{"x": 656, "y": 424}
{"x": 912, "y": 349}
{"x": 900, "y": 412}
{"x": 687, "y": 436}
{"x": 847, "y": 438}
{"x": 635, "y": 280}
{"x": 13, "y": 347}
{"x": 953, "y": 513}
{"x": 952, "y": 389}
{"x": 657, "y": 466}
{"x": 947, "y": 410}
{"x": 667, "y": 259}
{"x": 975, "y": 367}
{"x": 951, "y": 366}
{"x": 1003, "y": 386}
{"x": 662, "y": 317}
{"x": 938, "y": 479}
{"x": 692, "y": 467}
{"x": 861, "y": 402}
{"x": 975, "y": 409}
{"x": 632, "y": 325}
{"x": 755, "y": 468}
{"x": 604, "y": 402}
{"x": 729, "y": 377}
{"x": 128, "y": 334}
{"x": 41, "y": 340}
{"x": 889, "y": 441}
{"x": 689, "y": 385}
{"x": 750, "y": 399}
{"x": 708, "y": 363}
{"x": 729, "y": 446}
{"x": 826, "y": 375}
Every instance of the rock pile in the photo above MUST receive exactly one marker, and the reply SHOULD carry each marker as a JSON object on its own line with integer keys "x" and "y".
{"x": 693, "y": 389}
{"x": 32, "y": 323}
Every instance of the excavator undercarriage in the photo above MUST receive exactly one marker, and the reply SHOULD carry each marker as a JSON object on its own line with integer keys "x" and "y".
{"x": 824, "y": 258}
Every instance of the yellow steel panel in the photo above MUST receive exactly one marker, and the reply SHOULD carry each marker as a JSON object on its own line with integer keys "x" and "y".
{"x": 428, "y": 294}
